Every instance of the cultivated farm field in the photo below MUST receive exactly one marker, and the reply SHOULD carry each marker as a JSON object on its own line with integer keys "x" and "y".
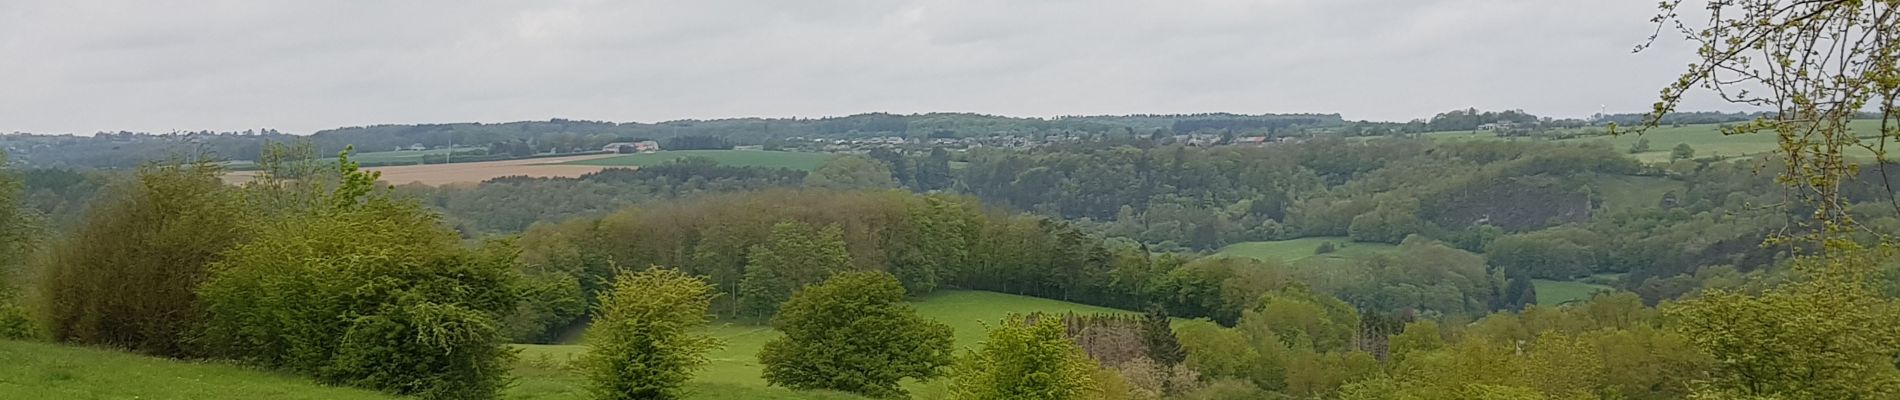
{"x": 735, "y": 158}
{"x": 444, "y": 174}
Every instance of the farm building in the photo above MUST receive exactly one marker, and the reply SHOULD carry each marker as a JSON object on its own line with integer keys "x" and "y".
{"x": 644, "y": 146}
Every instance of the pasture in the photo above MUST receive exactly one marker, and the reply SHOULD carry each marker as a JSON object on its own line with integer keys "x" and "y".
{"x": 396, "y": 157}
{"x": 48, "y": 371}
{"x": 1623, "y": 192}
{"x": 1297, "y": 251}
{"x": 735, "y": 158}
{"x": 1552, "y": 293}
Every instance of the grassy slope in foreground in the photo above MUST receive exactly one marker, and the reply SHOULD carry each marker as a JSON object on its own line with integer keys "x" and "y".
{"x": 733, "y": 158}
{"x": 48, "y": 371}
{"x": 1301, "y": 250}
{"x": 734, "y": 372}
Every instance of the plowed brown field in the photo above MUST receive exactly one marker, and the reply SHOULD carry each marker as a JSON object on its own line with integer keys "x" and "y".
{"x": 443, "y": 174}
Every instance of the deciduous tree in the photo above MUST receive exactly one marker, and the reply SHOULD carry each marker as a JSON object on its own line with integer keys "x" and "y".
{"x": 794, "y": 256}
{"x": 851, "y": 172}
{"x": 854, "y": 334}
{"x": 1029, "y": 359}
{"x": 128, "y": 276}
{"x": 641, "y": 344}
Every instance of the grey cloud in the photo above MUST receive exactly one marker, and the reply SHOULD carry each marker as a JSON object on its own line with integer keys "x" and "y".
{"x": 80, "y": 66}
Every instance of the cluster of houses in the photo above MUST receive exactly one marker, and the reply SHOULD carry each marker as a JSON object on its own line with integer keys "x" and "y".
{"x": 1498, "y": 126}
{"x": 644, "y": 146}
{"x": 862, "y": 145}
{"x": 1211, "y": 140}
{"x": 1012, "y": 142}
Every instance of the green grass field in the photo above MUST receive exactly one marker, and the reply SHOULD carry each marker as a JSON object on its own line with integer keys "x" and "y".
{"x": 1552, "y": 293}
{"x": 392, "y": 157}
{"x": 47, "y": 371}
{"x": 1301, "y": 250}
{"x": 736, "y": 158}
{"x": 1632, "y": 192}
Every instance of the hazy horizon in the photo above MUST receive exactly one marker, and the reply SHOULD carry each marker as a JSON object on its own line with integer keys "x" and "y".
{"x": 89, "y": 66}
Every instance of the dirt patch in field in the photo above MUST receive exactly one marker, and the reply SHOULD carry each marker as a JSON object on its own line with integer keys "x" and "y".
{"x": 443, "y": 174}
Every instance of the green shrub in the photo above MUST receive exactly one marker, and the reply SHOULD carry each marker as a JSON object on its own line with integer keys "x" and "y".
{"x": 854, "y": 334}
{"x": 640, "y": 345}
{"x": 1026, "y": 359}
{"x": 365, "y": 290}
{"x": 1325, "y": 248}
{"x": 126, "y": 277}
{"x": 428, "y": 350}
{"x": 15, "y": 323}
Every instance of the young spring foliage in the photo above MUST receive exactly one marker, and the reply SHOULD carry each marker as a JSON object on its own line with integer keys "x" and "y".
{"x": 1026, "y": 359}
{"x": 854, "y": 334}
{"x": 794, "y": 256}
{"x": 1830, "y": 336}
{"x": 640, "y": 345}
{"x": 361, "y": 288}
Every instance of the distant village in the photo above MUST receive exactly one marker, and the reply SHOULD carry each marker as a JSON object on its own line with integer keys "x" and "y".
{"x": 903, "y": 144}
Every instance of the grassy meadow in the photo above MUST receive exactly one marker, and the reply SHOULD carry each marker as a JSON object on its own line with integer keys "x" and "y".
{"x": 47, "y": 371}
{"x": 1301, "y": 250}
{"x": 1551, "y": 292}
{"x": 1625, "y": 192}
{"x": 735, "y": 158}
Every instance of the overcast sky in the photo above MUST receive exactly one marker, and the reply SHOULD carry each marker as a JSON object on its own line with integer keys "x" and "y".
{"x": 79, "y": 66}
